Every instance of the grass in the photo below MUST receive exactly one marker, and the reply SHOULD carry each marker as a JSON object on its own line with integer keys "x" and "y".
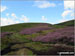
{"x": 64, "y": 24}
{"x": 59, "y": 26}
{"x": 20, "y": 38}
{"x": 18, "y": 46}
{"x": 5, "y": 42}
{"x": 38, "y": 46}
{"x": 44, "y": 32}
{"x": 23, "y": 51}
{"x": 15, "y": 38}
{"x": 67, "y": 23}
{"x": 31, "y": 36}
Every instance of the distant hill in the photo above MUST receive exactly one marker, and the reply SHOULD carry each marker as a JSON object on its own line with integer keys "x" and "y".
{"x": 64, "y": 24}
{"x": 18, "y": 27}
{"x": 67, "y": 23}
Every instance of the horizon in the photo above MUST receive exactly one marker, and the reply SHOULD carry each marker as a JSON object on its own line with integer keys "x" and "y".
{"x": 37, "y": 22}
{"x": 53, "y": 12}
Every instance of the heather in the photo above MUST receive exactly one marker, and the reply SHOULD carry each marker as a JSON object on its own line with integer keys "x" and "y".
{"x": 37, "y": 38}
{"x": 3, "y": 34}
{"x": 59, "y": 35}
{"x": 34, "y": 30}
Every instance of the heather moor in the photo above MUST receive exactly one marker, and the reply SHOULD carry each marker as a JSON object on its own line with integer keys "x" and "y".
{"x": 37, "y": 27}
{"x": 37, "y": 38}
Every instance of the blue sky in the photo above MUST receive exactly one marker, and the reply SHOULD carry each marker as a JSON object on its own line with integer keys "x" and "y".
{"x": 53, "y": 12}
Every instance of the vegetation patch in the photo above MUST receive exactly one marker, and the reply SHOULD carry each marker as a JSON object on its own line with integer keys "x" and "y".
{"x": 23, "y": 51}
{"x": 38, "y": 46}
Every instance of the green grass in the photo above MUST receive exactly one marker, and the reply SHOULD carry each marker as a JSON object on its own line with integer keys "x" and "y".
{"x": 59, "y": 26}
{"x": 38, "y": 46}
{"x": 23, "y": 51}
{"x": 31, "y": 36}
{"x": 64, "y": 24}
{"x": 5, "y": 42}
{"x": 20, "y": 38}
{"x": 44, "y": 32}
{"x": 15, "y": 38}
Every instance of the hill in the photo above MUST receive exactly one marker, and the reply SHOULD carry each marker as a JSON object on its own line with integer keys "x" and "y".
{"x": 67, "y": 23}
{"x": 64, "y": 24}
{"x": 37, "y": 38}
{"x": 18, "y": 27}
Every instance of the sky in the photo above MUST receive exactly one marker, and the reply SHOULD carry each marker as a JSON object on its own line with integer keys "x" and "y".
{"x": 36, "y": 11}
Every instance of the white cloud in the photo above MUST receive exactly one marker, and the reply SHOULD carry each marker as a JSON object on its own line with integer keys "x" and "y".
{"x": 14, "y": 15}
{"x": 68, "y": 10}
{"x": 24, "y": 18}
{"x": 10, "y": 20}
{"x": 44, "y": 4}
{"x": 7, "y": 21}
{"x": 17, "y": 21}
{"x": 3, "y": 8}
{"x": 43, "y": 18}
{"x": 69, "y": 4}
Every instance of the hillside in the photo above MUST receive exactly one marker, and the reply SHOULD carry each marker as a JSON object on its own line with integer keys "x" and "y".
{"x": 18, "y": 27}
{"x": 37, "y": 38}
{"x": 64, "y": 24}
{"x": 67, "y": 23}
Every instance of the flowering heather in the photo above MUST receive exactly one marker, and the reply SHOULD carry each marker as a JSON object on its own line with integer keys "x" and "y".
{"x": 34, "y": 30}
{"x": 3, "y": 34}
{"x": 63, "y": 33}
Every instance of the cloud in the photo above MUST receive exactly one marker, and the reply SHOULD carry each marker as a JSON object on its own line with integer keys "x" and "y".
{"x": 24, "y": 18}
{"x": 3, "y": 8}
{"x": 68, "y": 10}
{"x": 10, "y": 20}
{"x": 14, "y": 15}
{"x": 69, "y": 4}
{"x": 43, "y": 18}
{"x": 7, "y": 21}
{"x": 43, "y": 4}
